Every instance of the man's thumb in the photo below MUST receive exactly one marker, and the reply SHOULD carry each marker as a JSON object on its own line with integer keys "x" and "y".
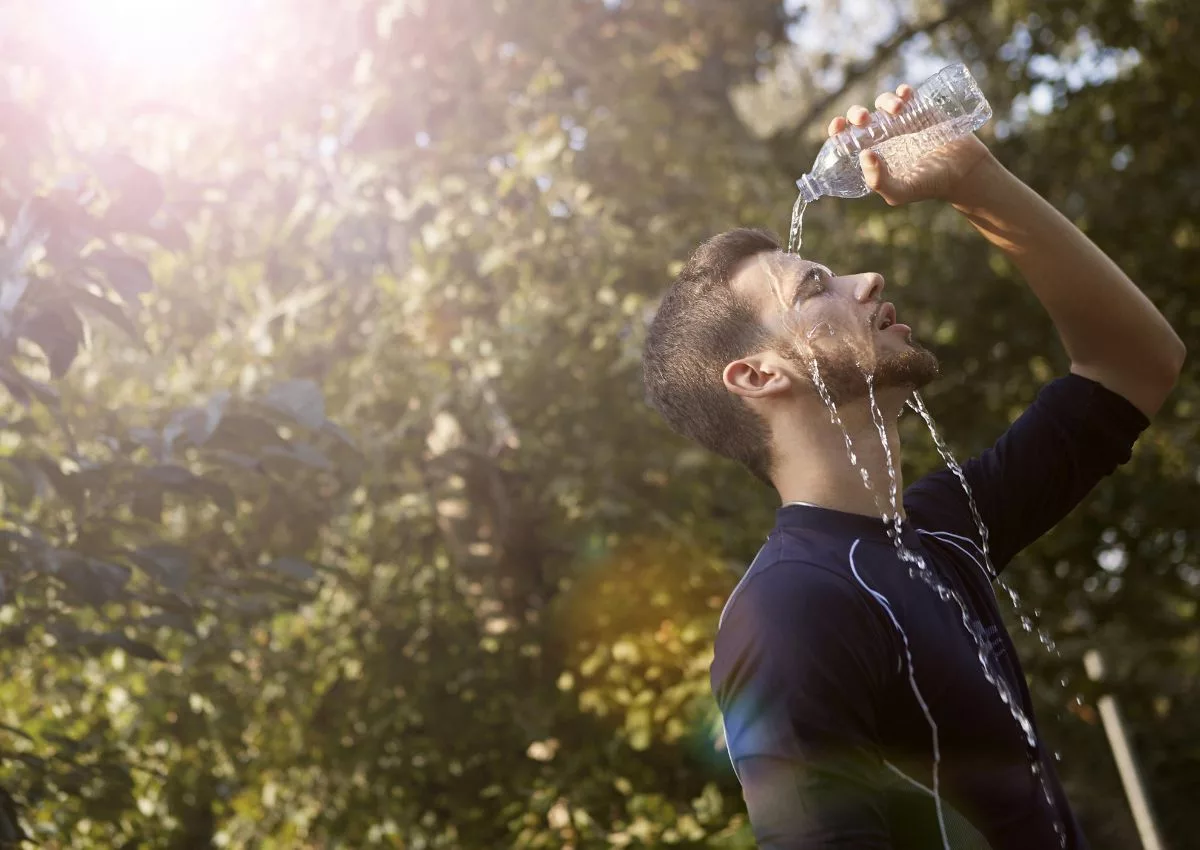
{"x": 874, "y": 170}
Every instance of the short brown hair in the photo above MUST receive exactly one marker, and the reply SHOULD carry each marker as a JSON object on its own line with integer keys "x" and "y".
{"x": 701, "y": 326}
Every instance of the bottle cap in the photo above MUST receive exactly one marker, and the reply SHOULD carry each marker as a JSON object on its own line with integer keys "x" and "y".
{"x": 809, "y": 190}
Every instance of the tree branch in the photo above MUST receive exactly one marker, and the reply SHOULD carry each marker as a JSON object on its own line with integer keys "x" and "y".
{"x": 871, "y": 64}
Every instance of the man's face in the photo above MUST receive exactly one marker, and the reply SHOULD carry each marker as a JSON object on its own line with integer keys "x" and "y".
{"x": 840, "y": 321}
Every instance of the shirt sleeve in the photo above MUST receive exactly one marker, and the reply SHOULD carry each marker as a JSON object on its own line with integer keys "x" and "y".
{"x": 800, "y": 670}
{"x": 1074, "y": 434}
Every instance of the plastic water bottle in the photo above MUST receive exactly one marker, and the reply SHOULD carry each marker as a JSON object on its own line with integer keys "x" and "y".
{"x": 945, "y": 107}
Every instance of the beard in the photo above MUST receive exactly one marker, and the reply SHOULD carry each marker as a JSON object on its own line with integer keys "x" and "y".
{"x": 910, "y": 368}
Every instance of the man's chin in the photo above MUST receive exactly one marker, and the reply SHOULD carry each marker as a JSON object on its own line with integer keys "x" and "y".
{"x": 910, "y": 369}
{"x": 913, "y": 368}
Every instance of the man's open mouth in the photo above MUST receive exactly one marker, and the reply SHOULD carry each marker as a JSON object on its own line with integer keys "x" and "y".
{"x": 886, "y": 317}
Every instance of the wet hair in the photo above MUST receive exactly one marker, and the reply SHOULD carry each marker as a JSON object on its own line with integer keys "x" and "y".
{"x": 702, "y": 325}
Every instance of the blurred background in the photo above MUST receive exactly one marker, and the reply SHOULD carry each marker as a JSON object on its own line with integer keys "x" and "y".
{"x": 332, "y": 516}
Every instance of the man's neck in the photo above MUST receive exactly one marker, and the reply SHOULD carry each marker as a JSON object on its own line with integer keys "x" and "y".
{"x": 814, "y": 466}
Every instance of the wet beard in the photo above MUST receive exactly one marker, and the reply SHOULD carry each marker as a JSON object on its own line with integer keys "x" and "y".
{"x": 911, "y": 368}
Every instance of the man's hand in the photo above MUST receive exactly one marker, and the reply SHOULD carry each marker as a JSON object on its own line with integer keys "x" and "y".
{"x": 942, "y": 174}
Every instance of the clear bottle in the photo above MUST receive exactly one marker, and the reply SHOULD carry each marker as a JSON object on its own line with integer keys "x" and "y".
{"x": 945, "y": 107}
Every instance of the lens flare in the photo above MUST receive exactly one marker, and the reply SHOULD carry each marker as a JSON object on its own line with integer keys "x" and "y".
{"x": 161, "y": 37}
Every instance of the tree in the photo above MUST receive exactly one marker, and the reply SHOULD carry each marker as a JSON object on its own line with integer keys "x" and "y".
{"x": 485, "y": 618}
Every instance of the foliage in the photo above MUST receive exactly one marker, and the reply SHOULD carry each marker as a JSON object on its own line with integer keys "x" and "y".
{"x": 478, "y": 611}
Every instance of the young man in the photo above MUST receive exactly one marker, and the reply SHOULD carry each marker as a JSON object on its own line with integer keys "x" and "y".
{"x": 850, "y": 691}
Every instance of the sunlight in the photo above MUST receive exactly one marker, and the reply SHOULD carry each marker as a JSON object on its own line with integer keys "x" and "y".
{"x": 160, "y": 37}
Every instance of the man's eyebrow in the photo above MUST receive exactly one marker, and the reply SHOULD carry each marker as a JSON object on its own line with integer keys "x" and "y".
{"x": 802, "y": 278}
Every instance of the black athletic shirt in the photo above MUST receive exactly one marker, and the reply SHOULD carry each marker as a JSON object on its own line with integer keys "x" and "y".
{"x": 811, "y": 672}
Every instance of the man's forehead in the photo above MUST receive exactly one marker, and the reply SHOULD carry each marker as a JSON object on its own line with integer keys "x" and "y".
{"x": 763, "y": 275}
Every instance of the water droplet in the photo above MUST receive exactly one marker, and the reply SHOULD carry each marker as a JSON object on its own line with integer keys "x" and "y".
{"x": 1057, "y": 755}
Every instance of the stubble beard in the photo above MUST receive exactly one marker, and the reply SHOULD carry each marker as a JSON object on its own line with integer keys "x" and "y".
{"x": 910, "y": 368}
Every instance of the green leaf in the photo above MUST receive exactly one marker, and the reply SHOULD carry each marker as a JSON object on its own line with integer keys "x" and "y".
{"x": 213, "y": 412}
{"x": 169, "y": 475}
{"x": 180, "y": 480}
{"x": 169, "y": 619}
{"x": 110, "y": 310}
{"x": 169, "y": 233}
{"x": 128, "y": 276}
{"x": 92, "y": 581}
{"x": 138, "y": 191}
{"x": 11, "y": 833}
{"x": 98, "y": 643}
{"x": 148, "y": 505}
{"x": 301, "y": 453}
{"x": 241, "y": 461}
{"x": 245, "y": 434}
{"x": 138, "y": 649}
{"x": 302, "y": 400}
{"x": 340, "y": 433}
{"x": 58, "y": 332}
{"x": 170, "y": 566}
{"x": 293, "y": 568}
{"x": 198, "y": 423}
{"x": 24, "y": 389}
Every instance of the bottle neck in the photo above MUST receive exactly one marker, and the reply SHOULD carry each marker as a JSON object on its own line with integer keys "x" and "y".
{"x": 809, "y": 188}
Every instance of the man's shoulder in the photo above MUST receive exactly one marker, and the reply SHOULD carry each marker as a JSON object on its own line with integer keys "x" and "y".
{"x": 790, "y": 613}
{"x": 785, "y": 583}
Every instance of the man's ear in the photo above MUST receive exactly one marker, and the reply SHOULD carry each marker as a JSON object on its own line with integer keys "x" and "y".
{"x": 759, "y": 376}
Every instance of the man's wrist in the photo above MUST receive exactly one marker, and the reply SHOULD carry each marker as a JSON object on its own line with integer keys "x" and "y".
{"x": 972, "y": 191}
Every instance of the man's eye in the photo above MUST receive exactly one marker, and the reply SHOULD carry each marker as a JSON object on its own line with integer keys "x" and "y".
{"x": 813, "y": 283}
{"x": 807, "y": 289}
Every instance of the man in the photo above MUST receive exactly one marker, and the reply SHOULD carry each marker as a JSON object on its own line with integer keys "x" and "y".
{"x": 861, "y": 709}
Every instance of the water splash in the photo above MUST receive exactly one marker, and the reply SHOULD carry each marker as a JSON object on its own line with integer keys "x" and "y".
{"x": 836, "y": 419}
{"x": 1029, "y": 624}
{"x": 881, "y": 426}
{"x": 919, "y": 569}
{"x": 767, "y": 267}
{"x": 917, "y": 404}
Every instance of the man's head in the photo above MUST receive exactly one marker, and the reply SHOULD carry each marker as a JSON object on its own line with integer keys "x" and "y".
{"x": 732, "y": 345}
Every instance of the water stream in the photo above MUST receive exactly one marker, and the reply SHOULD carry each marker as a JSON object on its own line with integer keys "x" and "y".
{"x": 917, "y": 404}
{"x": 796, "y": 231}
{"x": 835, "y": 417}
{"x": 918, "y": 569}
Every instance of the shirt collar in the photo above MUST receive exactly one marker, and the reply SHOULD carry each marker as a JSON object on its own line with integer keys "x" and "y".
{"x": 804, "y": 517}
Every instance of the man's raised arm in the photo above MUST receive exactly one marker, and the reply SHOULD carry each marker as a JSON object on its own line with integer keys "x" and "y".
{"x": 1109, "y": 328}
{"x": 1111, "y": 331}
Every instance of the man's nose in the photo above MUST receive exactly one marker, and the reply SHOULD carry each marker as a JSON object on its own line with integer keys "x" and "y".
{"x": 868, "y": 287}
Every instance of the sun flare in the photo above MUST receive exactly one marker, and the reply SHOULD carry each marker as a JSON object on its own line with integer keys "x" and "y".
{"x": 161, "y": 37}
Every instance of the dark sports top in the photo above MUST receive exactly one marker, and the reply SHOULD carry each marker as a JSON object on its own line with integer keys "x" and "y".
{"x": 811, "y": 670}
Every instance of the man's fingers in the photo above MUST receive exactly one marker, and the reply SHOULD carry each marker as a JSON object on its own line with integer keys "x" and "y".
{"x": 889, "y": 103}
{"x": 874, "y": 171}
{"x": 860, "y": 116}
